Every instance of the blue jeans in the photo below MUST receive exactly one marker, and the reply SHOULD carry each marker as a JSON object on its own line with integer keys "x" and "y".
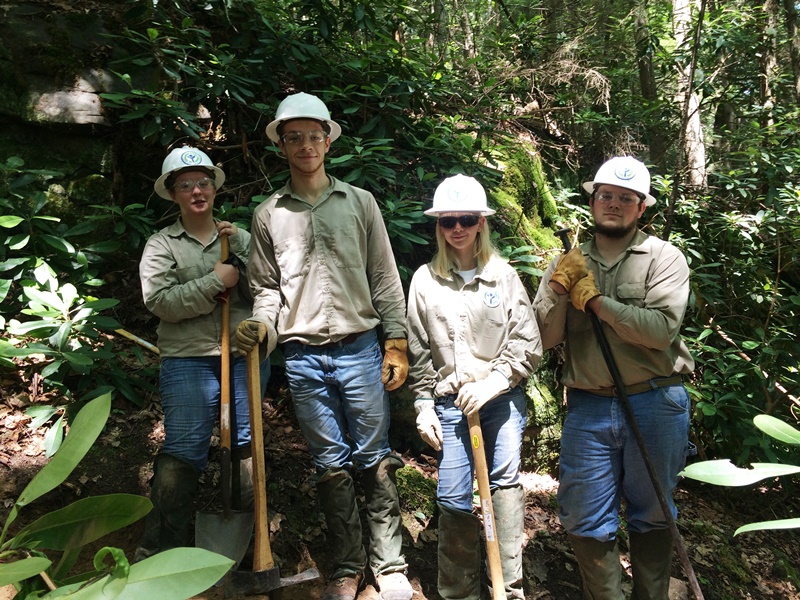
{"x": 339, "y": 400}
{"x": 502, "y": 423}
{"x": 190, "y": 395}
{"x": 601, "y": 462}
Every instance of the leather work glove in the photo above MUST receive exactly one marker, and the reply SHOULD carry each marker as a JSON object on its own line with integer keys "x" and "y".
{"x": 249, "y": 334}
{"x": 428, "y": 425}
{"x": 395, "y": 364}
{"x": 583, "y": 291}
{"x": 473, "y": 395}
{"x": 571, "y": 268}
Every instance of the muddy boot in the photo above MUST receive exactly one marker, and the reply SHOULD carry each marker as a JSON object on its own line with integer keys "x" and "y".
{"x": 509, "y": 519}
{"x": 337, "y": 497}
{"x": 172, "y": 493}
{"x": 599, "y": 565}
{"x": 385, "y": 529}
{"x": 651, "y": 559}
{"x": 459, "y": 555}
{"x": 242, "y": 479}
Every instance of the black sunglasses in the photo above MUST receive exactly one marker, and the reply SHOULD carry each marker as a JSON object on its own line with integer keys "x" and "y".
{"x": 465, "y": 221}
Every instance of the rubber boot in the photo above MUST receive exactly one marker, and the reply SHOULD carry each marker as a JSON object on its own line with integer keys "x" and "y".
{"x": 385, "y": 529}
{"x": 509, "y": 520}
{"x": 599, "y": 565}
{"x": 651, "y": 560}
{"x": 459, "y": 555}
{"x": 242, "y": 497}
{"x": 337, "y": 498}
{"x": 172, "y": 493}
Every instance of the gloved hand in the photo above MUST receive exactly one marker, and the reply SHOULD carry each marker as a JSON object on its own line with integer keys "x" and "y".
{"x": 428, "y": 425}
{"x": 583, "y": 291}
{"x": 570, "y": 269}
{"x": 473, "y": 395}
{"x": 395, "y": 364}
{"x": 249, "y": 334}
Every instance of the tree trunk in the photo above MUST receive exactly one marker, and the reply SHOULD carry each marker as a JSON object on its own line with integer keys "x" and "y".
{"x": 769, "y": 61}
{"x": 647, "y": 79}
{"x": 794, "y": 44}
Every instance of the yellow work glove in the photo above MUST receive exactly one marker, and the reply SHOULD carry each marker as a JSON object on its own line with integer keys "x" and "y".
{"x": 249, "y": 334}
{"x": 583, "y": 291}
{"x": 570, "y": 269}
{"x": 395, "y": 364}
{"x": 473, "y": 395}
{"x": 428, "y": 425}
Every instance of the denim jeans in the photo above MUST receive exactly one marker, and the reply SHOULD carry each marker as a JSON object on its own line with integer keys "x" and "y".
{"x": 340, "y": 402}
{"x": 601, "y": 462}
{"x": 502, "y": 423}
{"x": 190, "y": 395}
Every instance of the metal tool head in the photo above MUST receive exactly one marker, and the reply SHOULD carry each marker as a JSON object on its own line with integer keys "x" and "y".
{"x": 239, "y": 584}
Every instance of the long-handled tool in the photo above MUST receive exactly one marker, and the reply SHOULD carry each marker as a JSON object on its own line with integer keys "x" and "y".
{"x": 227, "y": 533}
{"x": 265, "y": 576}
{"x": 489, "y": 530}
{"x": 637, "y": 434}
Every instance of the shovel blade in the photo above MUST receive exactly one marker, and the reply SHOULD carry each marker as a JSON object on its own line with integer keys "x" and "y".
{"x": 239, "y": 584}
{"x": 226, "y": 534}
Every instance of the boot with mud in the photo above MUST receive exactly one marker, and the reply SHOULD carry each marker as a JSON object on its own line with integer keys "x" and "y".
{"x": 599, "y": 566}
{"x": 509, "y": 519}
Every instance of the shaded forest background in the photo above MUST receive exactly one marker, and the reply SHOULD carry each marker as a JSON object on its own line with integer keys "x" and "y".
{"x": 529, "y": 97}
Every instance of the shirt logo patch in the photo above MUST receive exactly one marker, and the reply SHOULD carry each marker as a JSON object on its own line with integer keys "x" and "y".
{"x": 190, "y": 157}
{"x": 491, "y": 299}
{"x": 624, "y": 173}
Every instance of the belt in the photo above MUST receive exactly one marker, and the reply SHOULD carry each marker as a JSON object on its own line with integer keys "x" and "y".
{"x": 348, "y": 339}
{"x": 638, "y": 388}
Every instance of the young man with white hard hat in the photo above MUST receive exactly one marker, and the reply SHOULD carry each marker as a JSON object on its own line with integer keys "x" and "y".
{"x": 183, "y": 277}
{"x": 325, "y": 280}
{"x": 638, "y": 286}
{"x": 474, "y": 343}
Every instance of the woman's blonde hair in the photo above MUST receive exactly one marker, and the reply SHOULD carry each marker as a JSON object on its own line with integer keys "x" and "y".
{"x": 445, "y": 261}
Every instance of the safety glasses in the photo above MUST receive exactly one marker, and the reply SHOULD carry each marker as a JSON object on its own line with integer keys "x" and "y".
{"x": 187, "y": 185}
{"x": 466, "y": 221}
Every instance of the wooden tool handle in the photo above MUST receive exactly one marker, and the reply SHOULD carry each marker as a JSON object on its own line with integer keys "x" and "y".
{"x": 489, "y": 530}
{"x": 225, "y": 368}
{"x": 262, "y": 557}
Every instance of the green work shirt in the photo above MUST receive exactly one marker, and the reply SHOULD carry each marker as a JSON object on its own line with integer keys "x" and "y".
{"x": 321, "y": 272}
{"x": 645, "y": 293}
{"x": 180, "y": 287}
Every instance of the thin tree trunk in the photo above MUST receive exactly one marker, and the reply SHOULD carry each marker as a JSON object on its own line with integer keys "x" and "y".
{"x": 769, "y": 61}
{"x": 647, "y": 79}
{"x": 790, "y": 11}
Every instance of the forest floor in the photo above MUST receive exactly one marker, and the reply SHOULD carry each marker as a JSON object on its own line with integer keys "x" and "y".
{"x": 755, "y": 565}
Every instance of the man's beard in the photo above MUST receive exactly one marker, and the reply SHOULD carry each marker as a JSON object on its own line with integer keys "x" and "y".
{"x": 616, "y": 232}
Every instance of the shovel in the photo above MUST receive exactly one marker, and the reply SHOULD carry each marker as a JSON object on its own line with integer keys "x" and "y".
{"x": 265, "y": 576}
{"x": 229, "y": 532}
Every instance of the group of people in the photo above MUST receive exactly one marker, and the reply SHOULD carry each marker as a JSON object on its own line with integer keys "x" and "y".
{"x": 318, "y": 276}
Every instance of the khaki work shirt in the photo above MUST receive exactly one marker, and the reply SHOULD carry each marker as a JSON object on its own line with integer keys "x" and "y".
{"x": 645, "y": 291}
{"x": 180, "y": 287}
{"x": 459, "y": 332}
{"x": 321, "y": 272}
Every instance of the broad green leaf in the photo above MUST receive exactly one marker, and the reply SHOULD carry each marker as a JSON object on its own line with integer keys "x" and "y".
{"x": 49, "y": 299}
{"x": 40, "y": 414}
{"x": 83, "y": 522}
{"x": 777, "y": 429}
{"x": 19, "y": 570}
{"x": 80, "y": 359}
{"x": 83, "y": 432}
{"x": 777, "y": 524}
{"x": 9, "y": 221}
{"x": 54, "y": 437}
{"x": 101, "y": 303}
{"x": 57, "y": 243}
{"x": 176, "y": 574}
{"x": 724, "y": 472}
{"x": 105, "y": 588}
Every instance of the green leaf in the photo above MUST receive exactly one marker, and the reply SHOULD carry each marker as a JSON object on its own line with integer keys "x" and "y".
{"x": 10, "y": 221}
{"x": 777, "y": 429}
{"x": 20, "y": 570}
{"x": 83, "y": 522}
{"x": 724, "y": 472}
{"x": 40, "y": 415}
{"x": 54, "y": 437}
{"x": 777, "y": 524}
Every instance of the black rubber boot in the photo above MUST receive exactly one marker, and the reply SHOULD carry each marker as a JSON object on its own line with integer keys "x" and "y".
{"x": 599, "y": 565}
{"x": 459, "y": 555}
{"x": 651, "y": 559}
{"x": 337, "y": 498}
{"x": 509, "y": 519}
{"x": 169, "y": 524}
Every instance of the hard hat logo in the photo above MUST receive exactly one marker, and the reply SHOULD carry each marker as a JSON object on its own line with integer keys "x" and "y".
{"x": 624, "y": 173}
{"x": 460, "y": 193}
{"x": 191, "y": 158}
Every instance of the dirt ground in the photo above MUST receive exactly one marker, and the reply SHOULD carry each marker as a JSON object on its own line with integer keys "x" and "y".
{"x": 757, "y": 565}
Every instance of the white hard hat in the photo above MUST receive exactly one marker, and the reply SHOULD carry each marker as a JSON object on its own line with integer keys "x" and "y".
{"x": 184, "y": 159}
{"x": 626, "y": 172}
{"x": 302, "y": 106}
{"x": 459, "y": 193}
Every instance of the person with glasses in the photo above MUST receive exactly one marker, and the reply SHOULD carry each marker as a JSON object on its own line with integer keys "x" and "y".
{"x": 638, "y": 287}
{"x": 325, "y": 283}
{"x": 184, "y": 282}
{"x": 474, "y": 342}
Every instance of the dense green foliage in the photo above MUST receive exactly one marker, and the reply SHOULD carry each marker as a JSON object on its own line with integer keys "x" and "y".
{"x": 528, "y": 97}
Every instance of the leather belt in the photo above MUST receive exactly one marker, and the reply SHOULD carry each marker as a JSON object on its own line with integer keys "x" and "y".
{"x": 348, "y": 339}
{"x": 638, "y": 388}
